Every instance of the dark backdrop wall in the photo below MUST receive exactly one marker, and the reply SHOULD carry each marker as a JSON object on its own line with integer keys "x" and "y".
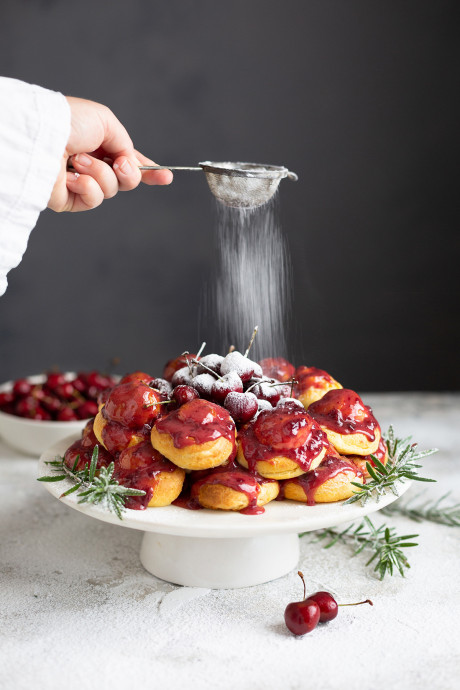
{"x": 359, "y": 98}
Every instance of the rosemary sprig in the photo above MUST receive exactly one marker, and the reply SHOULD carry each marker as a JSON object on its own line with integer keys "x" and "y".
{"x": 433, "y": 511}
{"x": 401, "y": 464}
{"x": 92, "y": 488}
{"x": 384, "y": 543}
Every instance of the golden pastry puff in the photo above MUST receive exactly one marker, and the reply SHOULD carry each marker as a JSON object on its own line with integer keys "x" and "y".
{"x": 197, "y": 436}
{"x": 312, "y": 384}
{"x": 360, "y": 461}
{"x": 142, "y": 467}
{"x": 331, "y": 481}
{"x": 233, "y": 488}
{"x": 281, "y": 443}
{"x": 349, "y": 424}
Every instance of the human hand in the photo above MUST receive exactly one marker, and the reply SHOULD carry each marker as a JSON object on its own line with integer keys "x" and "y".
{"x": 103, "y": 156}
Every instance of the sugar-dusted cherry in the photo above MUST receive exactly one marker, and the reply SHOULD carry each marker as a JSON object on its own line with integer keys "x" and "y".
{"x": 302, "y": 617}
{"x": 230, "y": 383}
{"x": 237, "y": 362}
{"x": 242, "y": 406}
{"x": 162, "y": 386}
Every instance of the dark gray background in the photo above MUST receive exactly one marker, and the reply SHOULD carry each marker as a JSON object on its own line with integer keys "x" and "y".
{"x": 359, "y": 98}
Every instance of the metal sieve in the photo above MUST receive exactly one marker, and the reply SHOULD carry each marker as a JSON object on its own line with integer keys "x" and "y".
{"x": 242, "y": 185}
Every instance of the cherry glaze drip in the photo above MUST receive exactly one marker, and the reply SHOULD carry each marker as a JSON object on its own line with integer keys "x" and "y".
{"x": 117, "y": 437}
{"x": 236, "y": 478}
{"x": 290, "y": 433}
{"x": 197, "y": 422}
{"x": 85, "y": 453}
{"x": 139, "y": 467}
{"x": 329, "y": 468}
{"x": 343, "y": 411}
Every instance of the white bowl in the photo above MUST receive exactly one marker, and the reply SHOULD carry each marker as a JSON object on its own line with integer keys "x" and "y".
{"x": 33, "y": 436}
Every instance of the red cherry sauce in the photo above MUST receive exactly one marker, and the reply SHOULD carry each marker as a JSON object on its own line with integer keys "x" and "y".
{"x": 117, "y": 437}
{"x": 84, "y": 453}
{"x": 198, "y": 422}
{"x": 238, "y": 479}
{"x": 286, "y": 432}
{"x": 310, "y": 377}
{"x": 138, "y": 467}
{"x": 342, "y": 410}
{"x": 329, "y": 468}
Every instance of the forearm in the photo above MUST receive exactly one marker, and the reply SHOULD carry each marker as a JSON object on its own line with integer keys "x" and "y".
{"x": 34, "y": 129}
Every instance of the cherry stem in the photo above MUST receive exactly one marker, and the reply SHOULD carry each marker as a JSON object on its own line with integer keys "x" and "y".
{"x": 231, "y": 349}
{"x": 160, "y": 402}
{"x": 254, "y": 333}
{"x": 368, "y": 601}
{"x": 300, "y": 574}
{"x": 184, "y": 354}
{"x": 293, "y": 382}
{"x": 203, "y": 345}
{"x": 195, "y": 361}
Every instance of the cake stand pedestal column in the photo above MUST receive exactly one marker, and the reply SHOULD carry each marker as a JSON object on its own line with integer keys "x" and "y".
{"x": 219, "y": 563}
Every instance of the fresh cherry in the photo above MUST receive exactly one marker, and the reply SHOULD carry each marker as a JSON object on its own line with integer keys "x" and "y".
{"x": 87, "y": 409}
{"x": 184, "y": 394}
{"x": 137, "y": 376}
{"x": 302, "y": 617}
{"x": 66, "y": 414}
{"x": 242, "y": 406}
{"x": 65, "y": 390}
{"x": 6, "y": 398}
{"x": 55, "y": 379}
{"x": 26, "y": 407}
{"x": 22, "y": 387}
{"x": 328, "y": 606}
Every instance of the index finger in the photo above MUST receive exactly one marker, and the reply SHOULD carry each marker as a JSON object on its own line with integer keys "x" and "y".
{"x": 153, "y": 177}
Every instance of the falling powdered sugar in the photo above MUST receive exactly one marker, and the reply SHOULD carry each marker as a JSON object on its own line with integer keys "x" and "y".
{"x": 252, "y": 281}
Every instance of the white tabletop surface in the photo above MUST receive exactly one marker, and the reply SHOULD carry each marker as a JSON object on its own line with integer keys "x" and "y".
{"x": 78, "y": 611}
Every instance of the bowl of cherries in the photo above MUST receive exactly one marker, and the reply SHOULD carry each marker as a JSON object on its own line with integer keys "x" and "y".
{"x": 38, "y": 411}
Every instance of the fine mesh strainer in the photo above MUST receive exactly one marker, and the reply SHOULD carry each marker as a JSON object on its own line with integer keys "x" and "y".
{"x": 242, "y": 185}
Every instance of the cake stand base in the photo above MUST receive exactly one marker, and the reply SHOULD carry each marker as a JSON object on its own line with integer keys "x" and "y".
{"x": 219, "y": 563}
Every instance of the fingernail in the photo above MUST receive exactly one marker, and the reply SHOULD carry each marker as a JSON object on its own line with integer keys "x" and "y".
{"x": 83, "y": 159}
{"x": 125, "y": 168}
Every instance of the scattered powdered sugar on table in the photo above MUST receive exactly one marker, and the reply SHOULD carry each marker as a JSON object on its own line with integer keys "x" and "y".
{"x": 78, "y": 611}
{"x": 251, "y": 284}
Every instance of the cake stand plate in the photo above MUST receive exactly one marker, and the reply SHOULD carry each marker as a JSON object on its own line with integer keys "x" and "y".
{"x": 218, "y": 549}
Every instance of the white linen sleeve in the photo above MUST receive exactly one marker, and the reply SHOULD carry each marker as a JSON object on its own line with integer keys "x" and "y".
{"x": 34, "y": 130}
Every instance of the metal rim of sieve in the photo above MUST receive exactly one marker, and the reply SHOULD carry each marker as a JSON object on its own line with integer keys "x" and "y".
{"x": 244, "y": 169}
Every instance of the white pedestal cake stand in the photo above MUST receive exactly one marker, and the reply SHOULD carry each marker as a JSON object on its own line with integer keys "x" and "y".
{"x": 217, "y": 549}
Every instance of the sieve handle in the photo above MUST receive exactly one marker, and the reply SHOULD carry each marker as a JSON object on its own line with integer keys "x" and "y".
{"x": 167, "y": 167}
